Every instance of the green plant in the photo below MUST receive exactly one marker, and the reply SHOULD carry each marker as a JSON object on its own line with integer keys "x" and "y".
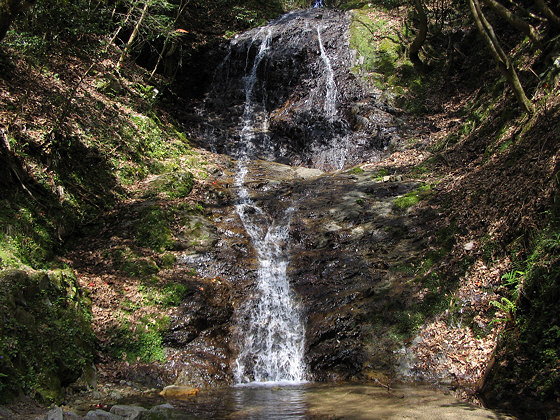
{"x": 382, "y": 172}
{"x": 45, "y": 337}
{"x": 144, "y": 343}
{"x": 168, "y": 260}
{"x": 507, "y": 307}
{"x": 357, "y": 170}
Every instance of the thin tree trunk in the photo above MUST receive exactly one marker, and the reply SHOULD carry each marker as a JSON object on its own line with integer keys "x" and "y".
{"x": 134, "y": 34}
{"x": 503, "y": 62}
{"x": 167, "y": 37}
{"x": 123, "y": 24}
{"x": 420, "y": 38}
{"x": 515, "y": 21}
{"x": 548, "y": 13}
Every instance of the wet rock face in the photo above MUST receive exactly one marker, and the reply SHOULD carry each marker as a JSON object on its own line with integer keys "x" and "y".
{"x": 342, "y": 252}
{"x": 305, "y": 101}
{"x": 198, "y": 336}
{"x": 346, "y": 238}
{"x": 201, "y": 311}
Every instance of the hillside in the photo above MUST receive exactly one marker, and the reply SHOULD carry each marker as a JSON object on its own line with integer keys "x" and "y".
{"x": 104, "y": 192}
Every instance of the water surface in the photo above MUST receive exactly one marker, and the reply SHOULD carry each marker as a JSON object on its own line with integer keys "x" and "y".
{"x": 330, "y": 402}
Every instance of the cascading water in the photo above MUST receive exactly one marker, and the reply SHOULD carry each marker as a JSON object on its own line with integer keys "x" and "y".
{"x": 284, "y": 93}
{"x": 333, "y": 154}
{"x": 330, "y": 90}
{"x": 272, "y": 340}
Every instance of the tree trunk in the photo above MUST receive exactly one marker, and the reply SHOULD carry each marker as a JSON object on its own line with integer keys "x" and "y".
{"x": 504, "y": 64}
{"x": 122, "y": 24}
{"x": 515, "y": 21}
{"x": 416, "y": 45}
{"x": 134, "y": 34}
{"x": 180, "y": 11}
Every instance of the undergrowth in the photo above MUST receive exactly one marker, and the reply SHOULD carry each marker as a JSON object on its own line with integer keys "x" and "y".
{"x": 529, "y": 346}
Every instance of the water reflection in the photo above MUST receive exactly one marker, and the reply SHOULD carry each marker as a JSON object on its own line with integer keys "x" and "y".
{"x": 270, "y": 403}
{"x": 329, "y": 402}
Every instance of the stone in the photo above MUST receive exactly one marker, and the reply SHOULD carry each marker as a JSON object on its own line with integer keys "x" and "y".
{"x": 102, "y": 415}
{"x": 6, "y": 413}
{"x": 162, "y": 407}
{"x": 115, "y": 394}
{"x": 469, "y": 246}
{"x": 162, "y": 412}
{"x": 129, "y": 412}
{"x": 178, "y": 392}
{"x": 55, "y": 414}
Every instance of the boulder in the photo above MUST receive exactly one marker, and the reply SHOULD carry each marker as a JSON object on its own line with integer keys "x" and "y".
{"x": 129, "y": 412}
{"x": 55, "y": 414}
{"x": 177, "y": 392}
{"x": 102, "y": 415}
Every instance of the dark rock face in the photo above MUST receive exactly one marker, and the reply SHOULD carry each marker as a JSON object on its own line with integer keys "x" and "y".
{"x": 198, "y": 336}
{"x": 201, "y": 311}
{"x": 307, "y": 102}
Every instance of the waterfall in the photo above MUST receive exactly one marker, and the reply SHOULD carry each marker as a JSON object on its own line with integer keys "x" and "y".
{"x": 331, "y": 92}
{"x": 285, "y": 93}
{"x": 272, "y": 345}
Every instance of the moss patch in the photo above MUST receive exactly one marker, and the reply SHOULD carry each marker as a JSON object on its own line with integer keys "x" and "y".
{"x": 528, "y": 352}
{"x": 412, "y": 198}
{"x": 46, "y": 339}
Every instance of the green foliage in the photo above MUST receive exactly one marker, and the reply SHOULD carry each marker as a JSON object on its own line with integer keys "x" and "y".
{"x": 173, "y": 185}
{"x": 357, "y": 170}
{"x": 507, "y": 307}
{"x": 59, "y": 23}
{"x": 382, "y": 172}
{"x": 529, "y": 348}
{"x": 173, "y": 294}
{"x": 131, "y": 264}
{"x": 166, "y": 295}
{"x": 246, "y": 17}
{"x": 45, "y": 337}
{"x": 168, "y": 260}
{"x": 380, "y": 47}
{"x": 29, "y": 237}
{"x": 140, "y": 343}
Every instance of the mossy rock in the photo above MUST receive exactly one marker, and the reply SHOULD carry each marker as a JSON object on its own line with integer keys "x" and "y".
{"x": 46, "y": 340}
{"x": 173, "y": 185}
{"x": 197, "y": 233}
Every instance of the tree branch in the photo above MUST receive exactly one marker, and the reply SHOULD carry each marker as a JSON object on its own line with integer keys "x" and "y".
{"x": 515, "y": 21}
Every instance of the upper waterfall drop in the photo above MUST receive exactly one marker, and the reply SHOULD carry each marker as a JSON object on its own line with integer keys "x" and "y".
{"x": 307, "y": 107}
{"x": 330, "y": 89}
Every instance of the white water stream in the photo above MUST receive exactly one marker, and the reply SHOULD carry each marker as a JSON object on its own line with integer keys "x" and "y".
{"x": 272, "y": 344}
{"x": 331, "y": 91}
